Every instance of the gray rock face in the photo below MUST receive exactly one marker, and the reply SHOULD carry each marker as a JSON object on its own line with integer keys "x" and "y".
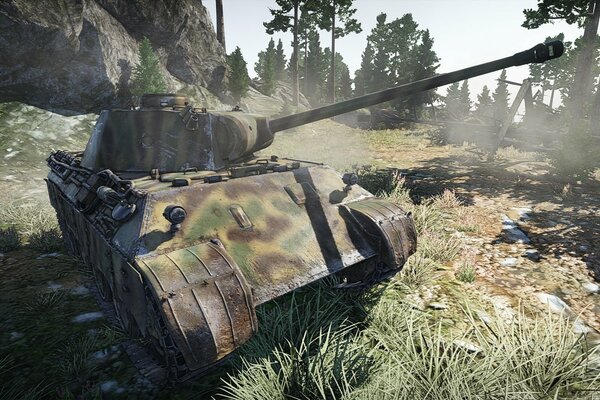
{"x": 78, "y": 55}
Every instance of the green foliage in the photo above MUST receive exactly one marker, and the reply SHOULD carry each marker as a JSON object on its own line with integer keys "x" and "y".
{"x": 344, "y": 84}
{"x": 280, "y": 73}
{"x": 10, "y": 239}
{"x": 265, "y": 69}
{"x": 458, "y": 101}
{"x": 577, "y": 156}
{"x": 500, "y": 98}
{"x": 572, "y": 11}
{"x": 466, "y": 272}
{"x": 315, "y": 67}
{"x": 398, "y": 52}
{"x": 237, "y": 74}
{"x": 147, "y": 77}
{"x": 46, "y": 240}
{"x": 483, "y": 107}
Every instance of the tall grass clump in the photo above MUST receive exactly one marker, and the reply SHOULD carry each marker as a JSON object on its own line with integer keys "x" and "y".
{"x": 308, "y": 347}
{"x": 525, "y": 358}
{"x": 10, "y": 239}
{"x": 418, "y": 271}
{"x": 577, "y": 156}
{"x": 34, "y": 222}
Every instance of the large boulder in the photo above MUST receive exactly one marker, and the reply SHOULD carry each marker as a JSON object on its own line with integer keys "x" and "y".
{"x": 76, "y": 56}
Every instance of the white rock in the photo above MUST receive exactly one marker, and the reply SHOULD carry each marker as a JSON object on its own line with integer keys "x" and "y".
{"x": 555, "y": 303}
{"x": 109, "y": 386}
{"x": 523, "y": 212}
{"x": 54, "y": 286}
{"x": 438, "y": 306}
{"x": 580, "y": 327}
{"x": 591, "y": 287}
{"x": 48, "y": 255}
{"x": 470, "y": 347}
{"x": 80, "y": 291}
{"x": 532, "y": 254}
{"x": 512, "y": 231}
{"x": 509, "y": 262}
{"x": 87, "y": 317}
{"x": 16, "y": 336}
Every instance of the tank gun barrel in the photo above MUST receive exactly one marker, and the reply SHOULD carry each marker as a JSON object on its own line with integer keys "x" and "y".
{"x": 537, "y": 54}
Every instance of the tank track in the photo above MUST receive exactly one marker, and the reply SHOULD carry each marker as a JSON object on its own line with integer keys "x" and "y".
{"x": 142, "y": 359}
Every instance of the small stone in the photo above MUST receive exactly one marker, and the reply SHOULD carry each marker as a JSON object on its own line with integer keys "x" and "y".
{"x": 48, "y": 255}
{"x": 512, "y": 232}
{"x": 580, "y": 327}
{"x": 469, "y": 347}
{"x": 438, "y": 306}
{"x": 583, "y": 247}
{"x": 109, "y": 386}
{"x": 532, "y": 254}
{"x": 556, "y": 304}
{"x": 485, "y": 317}
{"x": 16, "y": 336}
{"x": 54, "y": 286}
{"x": 88, "y": 317}
{"x": 509, "y": 262}
{"x": 591, "y": 287}
{"x": 80, "y": 291}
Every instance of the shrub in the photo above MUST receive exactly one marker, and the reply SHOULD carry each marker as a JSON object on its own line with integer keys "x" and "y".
{"x": 577, "y": 156}
{"x": 466, "y": 273}
{"x": 46, "y": 241}
{"x": 10, "y": 239}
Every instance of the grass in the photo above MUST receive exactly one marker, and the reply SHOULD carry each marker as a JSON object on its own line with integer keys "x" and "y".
{"x": 466, "y": 273}
{"x": 34, "y": 222}
{"x": 10, "y": 239}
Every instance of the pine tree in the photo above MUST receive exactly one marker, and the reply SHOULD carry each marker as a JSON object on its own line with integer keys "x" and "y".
{"x": 426, "y": 63}
{"x": 280, "y": 62}
{"x": 344, "y": 84}
{"x": 147, "y": 77}
{"x": 237, "y": 74}
{"x": 316, "y": 67}
{"x": 363, "y": 77}
{"x": 265, "y": 69}
{"x": 465, "y": 99}
{"x": 500, "y": 98}
{"x": 483, "y": 108}
{"x": 453, "y": 102}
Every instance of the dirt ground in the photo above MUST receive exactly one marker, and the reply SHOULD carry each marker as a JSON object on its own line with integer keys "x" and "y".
{"x": 555, "y": 271}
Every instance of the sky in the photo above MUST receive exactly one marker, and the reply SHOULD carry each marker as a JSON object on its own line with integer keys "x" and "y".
{"x": 465, "y": 32}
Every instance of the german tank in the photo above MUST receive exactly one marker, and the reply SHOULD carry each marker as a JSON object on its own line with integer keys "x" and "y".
{"x": 186, "y": 231}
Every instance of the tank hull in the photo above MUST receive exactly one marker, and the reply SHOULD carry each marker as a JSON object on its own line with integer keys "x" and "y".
{"x": 192, "y": 292}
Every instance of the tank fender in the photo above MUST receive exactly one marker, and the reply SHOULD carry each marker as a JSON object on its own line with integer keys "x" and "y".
{"x": 204, "y": 298}
{"x": 390, "y": 229}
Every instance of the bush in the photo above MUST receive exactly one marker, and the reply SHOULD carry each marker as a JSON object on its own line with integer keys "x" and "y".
{"x": 10, "y": 239}
{"x": 577, "y": 156}
{"x": 46, "y": 241}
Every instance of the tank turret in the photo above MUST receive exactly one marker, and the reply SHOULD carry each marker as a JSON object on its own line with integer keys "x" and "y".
{"x": 186, "y": 231}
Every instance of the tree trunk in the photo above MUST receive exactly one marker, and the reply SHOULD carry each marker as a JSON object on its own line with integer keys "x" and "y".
{"x": 583, "y": 74}
{"x": 220, "y": 24}
{"x": 595, "y": 123}
{"x": 295, "y": 82}
{"x": 552, "y": 95}
{"x": 332, "y": 72}
{"x": 305, "y": 83}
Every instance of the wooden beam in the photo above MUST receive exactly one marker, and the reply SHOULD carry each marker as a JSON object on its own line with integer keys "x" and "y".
{"x": 525, "y": 87}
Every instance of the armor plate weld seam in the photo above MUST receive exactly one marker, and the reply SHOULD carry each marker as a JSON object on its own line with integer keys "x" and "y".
{"x": 187, "y": 342}
{"x": 154, "y": 274}
{"x": 201, "y": 306}
{"x": 233, "y": 333}
{"x": 179, "y": 268}
{"x": 200, "y": 261}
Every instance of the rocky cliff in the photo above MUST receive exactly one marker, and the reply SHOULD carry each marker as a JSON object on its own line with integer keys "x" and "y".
{"x": 76, "y": 56}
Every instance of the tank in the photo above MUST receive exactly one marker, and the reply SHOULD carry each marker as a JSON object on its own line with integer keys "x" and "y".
{"x": 186, "y": 231}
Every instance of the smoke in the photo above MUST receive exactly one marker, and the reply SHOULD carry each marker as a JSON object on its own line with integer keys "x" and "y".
{"x": 325, "y": 141}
